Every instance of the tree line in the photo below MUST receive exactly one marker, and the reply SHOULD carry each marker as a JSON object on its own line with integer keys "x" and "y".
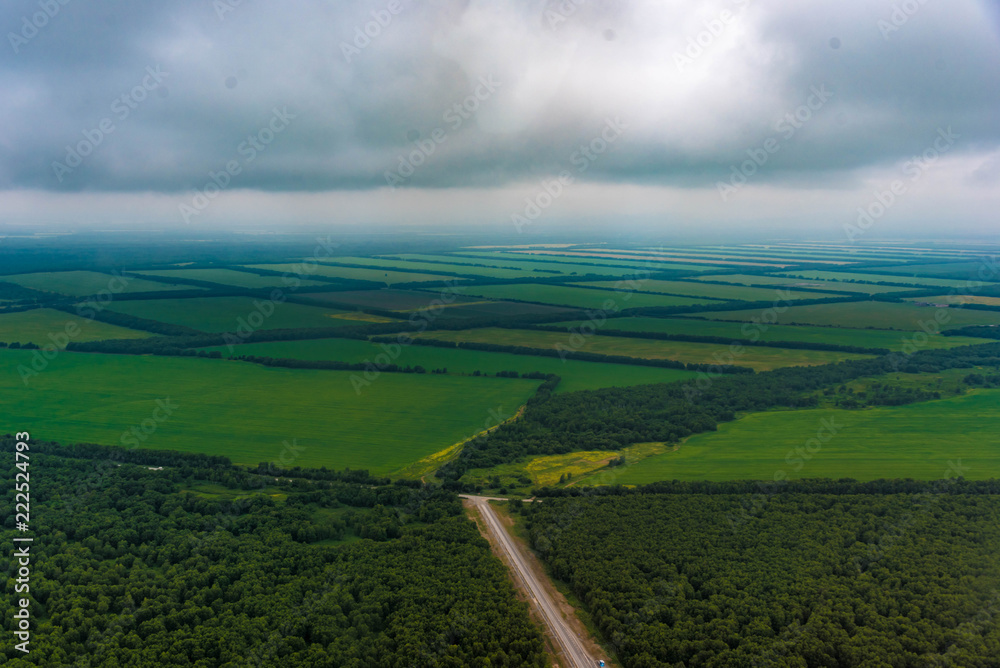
{"x": 612, "y": 418}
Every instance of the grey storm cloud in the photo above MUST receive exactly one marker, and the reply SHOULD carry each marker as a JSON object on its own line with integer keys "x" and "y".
{"x": 141, "y": 96}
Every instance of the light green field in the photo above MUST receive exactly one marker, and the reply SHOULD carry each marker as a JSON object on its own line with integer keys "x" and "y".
{"x": 785, "y": 281}
{"x": 653, "y": 260}
{"x": 587, "y": 265}
{"x": 965, "y": 269}
{"x": 712, "y": 291}
{"x": 851, "y": 276}
{"x": 915, "y": 441}
{"x": 432, "y": 267}
{"x": 881, "y": 315}
{"x": 45, "y": 326}
{"x": 958, "y": 299}
{"x": 223, "y": 314}
{"x": 246, "y": 411}
{"x": 83, "y": 283}
{"x": 830, "y": 253}
{"x": 758, "y": 358}
{"x": 388, "y": 277}
{"x": 688, "y": 255}
{"x": 528, "y": 267}
{"x": 578, "y": 297}
{"x": 841, "y": 336}
{"x": 240, "y": 279}
{"x": 575, "y": 375}
{"x": 550, "y": 470}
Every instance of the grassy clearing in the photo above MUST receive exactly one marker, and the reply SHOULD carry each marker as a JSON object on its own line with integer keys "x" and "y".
{"x": 247, "y": 412}
{"x": 240, "y": 279}
{"x": 786, "y": 281}
{"x": 575, "y": 375}
{"x": 867, "y": 338}
{"x": 852, "y": 276}
{"x": 216, "y": 492}
{"x": 83, "y": 283}
{"x": 711, "y": 291}
{"x": 880, "y": 315}
{"x": 579, "y": 297}
{"x": 45, "y": 326}
{"x": 387, "y": 276}
{"x": 223, "y": 314}
{"x": 915, "y": 441}
{"x": 561, "y": 470}
{"x": 758, "y": 358}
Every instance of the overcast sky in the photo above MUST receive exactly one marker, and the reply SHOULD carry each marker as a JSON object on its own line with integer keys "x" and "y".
{"x": 663, "y": 115}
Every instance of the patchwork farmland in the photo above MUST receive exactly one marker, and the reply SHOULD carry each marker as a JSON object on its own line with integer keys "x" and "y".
{"x": 391, "y": 361}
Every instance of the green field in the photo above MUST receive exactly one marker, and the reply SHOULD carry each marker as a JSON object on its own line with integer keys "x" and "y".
{"x": 880, "y": 315}
{"x": 246, "y": 412}
{"x": 711, "y": 291}
{"x": 83, "y": 283}
{"x": 758, "y": 358}
{"x": 842, "y": 336}
{"x": 785, "y": 281}
{"x": 377, "y": 275}
{"x": 915, "y": 441}
{"x": 44, "y": 326}
{"x": 579, "y": 297}
{"x": 875, "y": 278}
{"x": 957, "y": 299}
{"x": 967, "y": 270}
{"x": 223, "y": 314}
{"x": 647, "y": 264}
{"x": 433, "y": 267}
{"x": 391, "y": 300}
{"x": 241, "y": 279}
{"x": 651, "y": 260}
{"x": 528, "y": 268}
{"x": 575, "y": 375}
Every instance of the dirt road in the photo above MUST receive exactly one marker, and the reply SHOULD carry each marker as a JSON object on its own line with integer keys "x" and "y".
{"x": 573, "y": 650}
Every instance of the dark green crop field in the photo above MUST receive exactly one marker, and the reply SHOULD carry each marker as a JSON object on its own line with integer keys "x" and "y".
{"x": 763, "y": 331}
{"x": 225, "y": 314}
{"x": 575, "y": 375}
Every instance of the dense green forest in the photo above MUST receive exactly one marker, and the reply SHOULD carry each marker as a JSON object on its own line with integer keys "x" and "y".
{"x": 610, "y": 419}
{"x": 835, "y": 574}
{"x": 133, "y": 565}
